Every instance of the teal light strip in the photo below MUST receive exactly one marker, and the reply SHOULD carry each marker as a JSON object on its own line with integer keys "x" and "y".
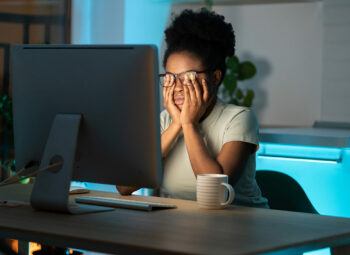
{"x": 325, "y": 251}
{"x": 323, "y": 161}
{"x": 300, "y": 152}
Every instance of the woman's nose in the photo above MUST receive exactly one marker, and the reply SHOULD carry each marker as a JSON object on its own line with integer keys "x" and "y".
{"x": 178, "y": 85}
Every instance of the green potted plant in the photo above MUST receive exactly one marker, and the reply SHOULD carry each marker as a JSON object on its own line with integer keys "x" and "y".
{"x": 238, "y": 71}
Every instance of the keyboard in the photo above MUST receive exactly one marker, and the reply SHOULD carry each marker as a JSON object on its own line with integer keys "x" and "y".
{"x": 123, "y": 203}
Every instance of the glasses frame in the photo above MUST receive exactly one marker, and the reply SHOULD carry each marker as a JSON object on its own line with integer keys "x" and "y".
{"x": 175, "y": 75}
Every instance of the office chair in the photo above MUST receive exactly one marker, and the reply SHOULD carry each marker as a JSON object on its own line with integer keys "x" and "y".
{"x": 283, "y": 192}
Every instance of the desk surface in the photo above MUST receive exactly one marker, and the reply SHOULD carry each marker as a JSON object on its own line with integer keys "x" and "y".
{"x": 185, "y": 230}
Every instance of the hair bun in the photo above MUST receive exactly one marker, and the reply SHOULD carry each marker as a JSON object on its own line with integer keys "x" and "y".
{"x": 202, "y": 27}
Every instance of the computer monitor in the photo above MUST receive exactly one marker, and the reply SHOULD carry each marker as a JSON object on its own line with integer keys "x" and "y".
{"x": 96, "y": 108}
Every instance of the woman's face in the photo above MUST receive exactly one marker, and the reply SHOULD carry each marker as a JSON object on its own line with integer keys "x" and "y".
{"x": 180, "y": 62}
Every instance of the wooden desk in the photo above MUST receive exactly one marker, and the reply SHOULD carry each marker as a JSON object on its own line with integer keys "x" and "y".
{"x": 186, "y": 230}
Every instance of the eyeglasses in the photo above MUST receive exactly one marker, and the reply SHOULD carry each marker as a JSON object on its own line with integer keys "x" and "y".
{"x": 182, "y": 77}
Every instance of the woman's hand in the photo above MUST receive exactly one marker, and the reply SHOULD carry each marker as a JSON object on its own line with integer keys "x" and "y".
{"x": 169, "y": 104}
{"x": 196, "y": 100}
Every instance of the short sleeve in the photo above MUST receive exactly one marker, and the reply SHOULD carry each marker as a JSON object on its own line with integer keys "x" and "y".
{"x": 243, "y": 127}
{"x": 163, "y": 121}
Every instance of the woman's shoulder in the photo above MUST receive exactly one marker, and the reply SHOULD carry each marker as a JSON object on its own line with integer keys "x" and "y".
{"x": 239, "y": 123}
{"x": 232, "y": 111}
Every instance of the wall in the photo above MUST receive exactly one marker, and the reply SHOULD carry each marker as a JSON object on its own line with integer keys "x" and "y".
{"x": 116, "y": 22}
{"x": 97, "y": 21}
{"x": 336, "y": 62}
{"x": 285, "y": 42}
{"x": 302, "y": 50}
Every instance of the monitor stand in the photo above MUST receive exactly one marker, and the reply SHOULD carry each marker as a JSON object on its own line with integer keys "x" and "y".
{"x": 51, "y": 187}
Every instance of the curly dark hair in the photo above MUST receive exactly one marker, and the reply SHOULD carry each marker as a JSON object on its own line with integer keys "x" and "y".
{"x": 203, "y": 33}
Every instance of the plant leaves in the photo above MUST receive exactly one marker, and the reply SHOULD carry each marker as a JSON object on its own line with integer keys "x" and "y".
{"x": 236, "y": 72}
{"x": 208, "y": 4}
{"x": 246, "y": 70}
{"x": 248, "y": 98}
{"x": 239, "y": 94}
{"x": 230, "y": 83}
{"x": 232, "y": 64}
{"x": 6, "y": 110}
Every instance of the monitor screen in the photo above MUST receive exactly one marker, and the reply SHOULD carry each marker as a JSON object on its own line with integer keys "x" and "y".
{"x": 115, "y": 90}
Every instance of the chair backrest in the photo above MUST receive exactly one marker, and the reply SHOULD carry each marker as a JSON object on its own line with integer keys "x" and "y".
{"x": 283, "y": 192}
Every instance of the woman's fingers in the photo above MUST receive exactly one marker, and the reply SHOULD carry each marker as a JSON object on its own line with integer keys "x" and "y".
{"x": 167, "y": 89}
{"x": 187, "y": 95}
{"x": 197, "y": 89}
{"x": 164, "y": 93}
{"x": 171, "y": 95}
{"x": 171, "y": 90}
{"x": 165, "y": 78}
{"x": 164, "y": 99}
{"x": 190, "y": 87}
{"x": 205, "y": 91}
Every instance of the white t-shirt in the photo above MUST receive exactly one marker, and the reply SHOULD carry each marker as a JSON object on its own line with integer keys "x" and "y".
{"x": 224, "y": 124}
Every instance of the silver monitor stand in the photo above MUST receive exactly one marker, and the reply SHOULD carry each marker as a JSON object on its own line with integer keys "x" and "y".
{"x": 51, "y": 187}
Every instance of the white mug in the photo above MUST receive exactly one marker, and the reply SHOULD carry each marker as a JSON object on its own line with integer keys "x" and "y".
{"x": 212, "y": 191}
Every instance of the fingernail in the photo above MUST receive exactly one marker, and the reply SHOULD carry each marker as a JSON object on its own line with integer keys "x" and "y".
{"x": 192, "y": 76}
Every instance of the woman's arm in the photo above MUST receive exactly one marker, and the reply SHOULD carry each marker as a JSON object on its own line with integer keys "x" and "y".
{"x": 200, "y": 159}
{"x": 168, "y": 138}
{"x": 231, "y": 159}
{"x": 195, "y": 105}
{"x": 126, "y": 190}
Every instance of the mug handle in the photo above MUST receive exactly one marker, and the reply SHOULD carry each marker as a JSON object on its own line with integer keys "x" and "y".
{"x": 231, "y": 194}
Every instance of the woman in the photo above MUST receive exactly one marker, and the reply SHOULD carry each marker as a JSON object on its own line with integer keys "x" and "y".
{"x": 199, "y": 133}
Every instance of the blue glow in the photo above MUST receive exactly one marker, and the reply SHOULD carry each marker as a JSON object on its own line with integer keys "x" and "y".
{"x": 293, "y": 151}
{"x": 82, "y": 15}
{"x": 127, "y": 21}
{"x": 323, "y": 173}
{"x": 325, "y": 251}
{"x": 107, "y": 188}
{"x": 145, "y": 21}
